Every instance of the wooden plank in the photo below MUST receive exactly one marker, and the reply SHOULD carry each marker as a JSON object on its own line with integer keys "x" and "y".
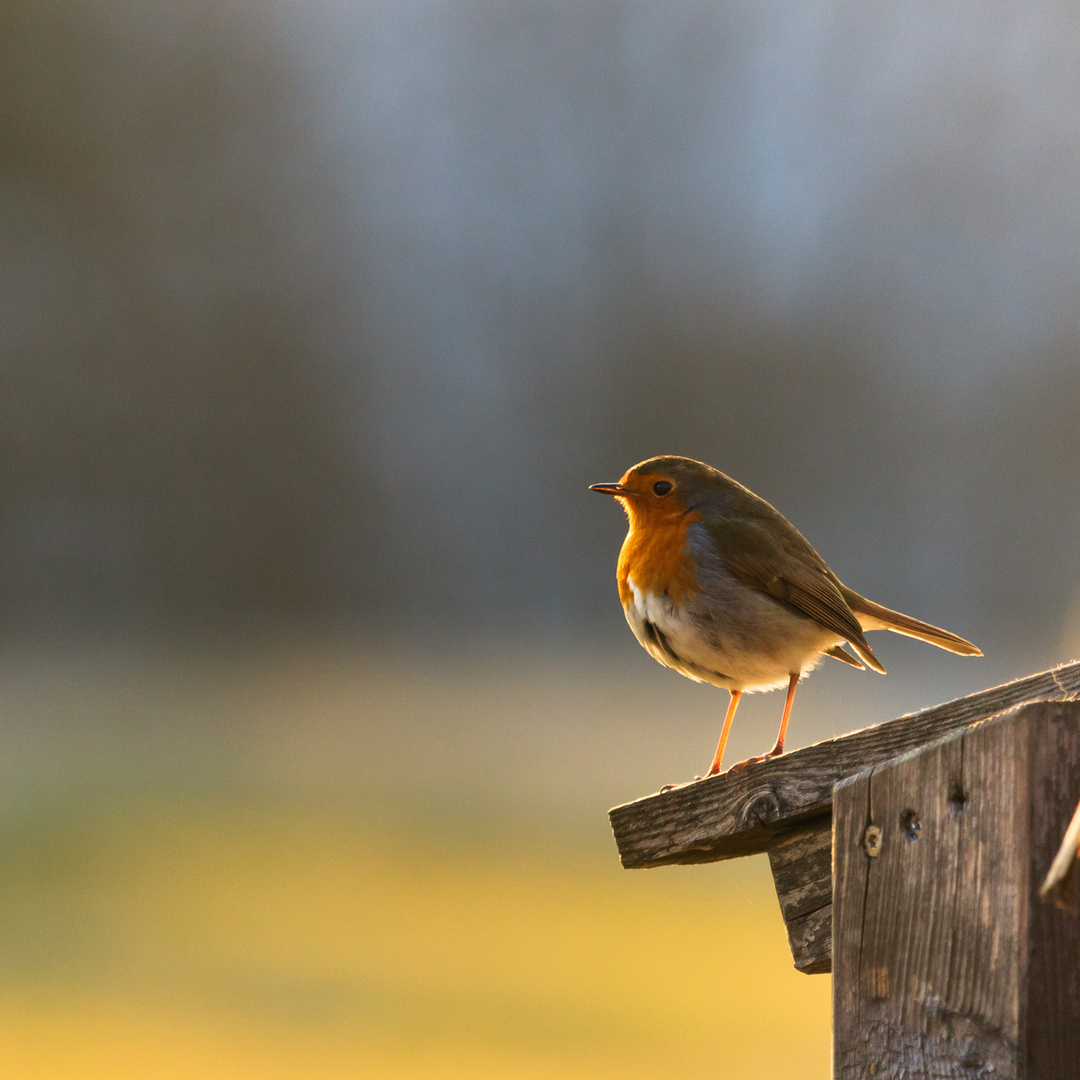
{"x": 945, "y": 962}
{"x": 810, "y": 941}
{"x": 801, "y": 861}
{"x": 726, "y": 816}
{"x": 1052, "y": 1012}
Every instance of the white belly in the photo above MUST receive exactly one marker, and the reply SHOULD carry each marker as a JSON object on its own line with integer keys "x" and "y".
{"x": 751, "y": 643}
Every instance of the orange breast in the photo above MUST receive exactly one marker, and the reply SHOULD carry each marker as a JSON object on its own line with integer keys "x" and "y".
{"x": 654, "y": 555}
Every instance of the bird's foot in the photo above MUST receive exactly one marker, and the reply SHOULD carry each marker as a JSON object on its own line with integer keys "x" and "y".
{"x": 740, "y": 765}
{"x": 776, "y": 751}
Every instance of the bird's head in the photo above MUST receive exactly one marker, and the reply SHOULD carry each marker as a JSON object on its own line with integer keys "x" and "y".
{"x": 666, "y": 487}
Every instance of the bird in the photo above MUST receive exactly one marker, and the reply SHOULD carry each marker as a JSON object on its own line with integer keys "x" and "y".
{"x": 718, "y": 585}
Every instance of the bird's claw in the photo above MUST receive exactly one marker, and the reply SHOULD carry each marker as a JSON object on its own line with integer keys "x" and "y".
{"x": 740, "y": 765}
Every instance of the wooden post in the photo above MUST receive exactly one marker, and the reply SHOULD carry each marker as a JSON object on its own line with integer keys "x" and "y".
{"x": 734, "y": 814}
{"x": 784, "y": 806}
{"x": 946, "y": 963}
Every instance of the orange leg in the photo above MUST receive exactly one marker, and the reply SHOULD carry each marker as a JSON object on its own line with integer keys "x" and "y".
{"x": 778, "y": 749}
{"x": 725, "y": 732}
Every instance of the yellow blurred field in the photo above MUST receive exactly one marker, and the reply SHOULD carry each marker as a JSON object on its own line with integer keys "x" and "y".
{"x": 294, "y": 860}
{"x": 211, "y": 936}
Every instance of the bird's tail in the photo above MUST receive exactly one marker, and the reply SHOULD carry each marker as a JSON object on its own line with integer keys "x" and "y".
{"x": 873, "y": 616}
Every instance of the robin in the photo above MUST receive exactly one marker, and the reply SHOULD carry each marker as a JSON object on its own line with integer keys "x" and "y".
{"x": 720, "y": 586}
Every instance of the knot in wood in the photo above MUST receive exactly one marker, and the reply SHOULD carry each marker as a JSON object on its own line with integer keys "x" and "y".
{"x": 762, "y": 808}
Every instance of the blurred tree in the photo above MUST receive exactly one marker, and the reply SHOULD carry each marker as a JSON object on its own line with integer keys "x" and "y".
{"x": 170, "y": 444}
{"x": 342, "y": 309}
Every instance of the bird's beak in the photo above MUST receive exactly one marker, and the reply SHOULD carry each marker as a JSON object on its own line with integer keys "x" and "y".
{"x": 609, "y": 489}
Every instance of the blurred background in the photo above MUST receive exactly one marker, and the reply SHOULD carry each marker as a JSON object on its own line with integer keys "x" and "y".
{"x": 316, "y": 321}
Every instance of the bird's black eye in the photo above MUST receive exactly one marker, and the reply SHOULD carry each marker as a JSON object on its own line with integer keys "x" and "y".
{"x": 661, "y": 487}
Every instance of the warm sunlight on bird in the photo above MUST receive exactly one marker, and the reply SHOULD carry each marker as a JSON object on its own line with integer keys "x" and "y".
{"x": 720, "y": 586}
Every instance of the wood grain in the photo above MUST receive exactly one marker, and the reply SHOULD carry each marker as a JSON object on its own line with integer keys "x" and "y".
{"x": 1052, "y": 1013}
{"x": 945, "y": 962}
{"x": 810, "y": 941}
{"x": 729, "y": 815}
{"x": 801, "y": 861}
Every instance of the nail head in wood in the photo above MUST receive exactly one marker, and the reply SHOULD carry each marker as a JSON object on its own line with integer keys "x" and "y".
{"x": 872, "y": 841}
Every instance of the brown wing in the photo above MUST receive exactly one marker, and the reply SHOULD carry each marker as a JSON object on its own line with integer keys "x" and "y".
{"x": 771, "y": 556}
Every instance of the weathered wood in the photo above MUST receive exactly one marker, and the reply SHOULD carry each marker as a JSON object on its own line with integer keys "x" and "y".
{"x": 729, "y": 815}
{"x": 945, "y": 962}
{"x": 1053, "y": 948}
{"x": 810, "y": 941}
{"x": 801, "y": 861}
